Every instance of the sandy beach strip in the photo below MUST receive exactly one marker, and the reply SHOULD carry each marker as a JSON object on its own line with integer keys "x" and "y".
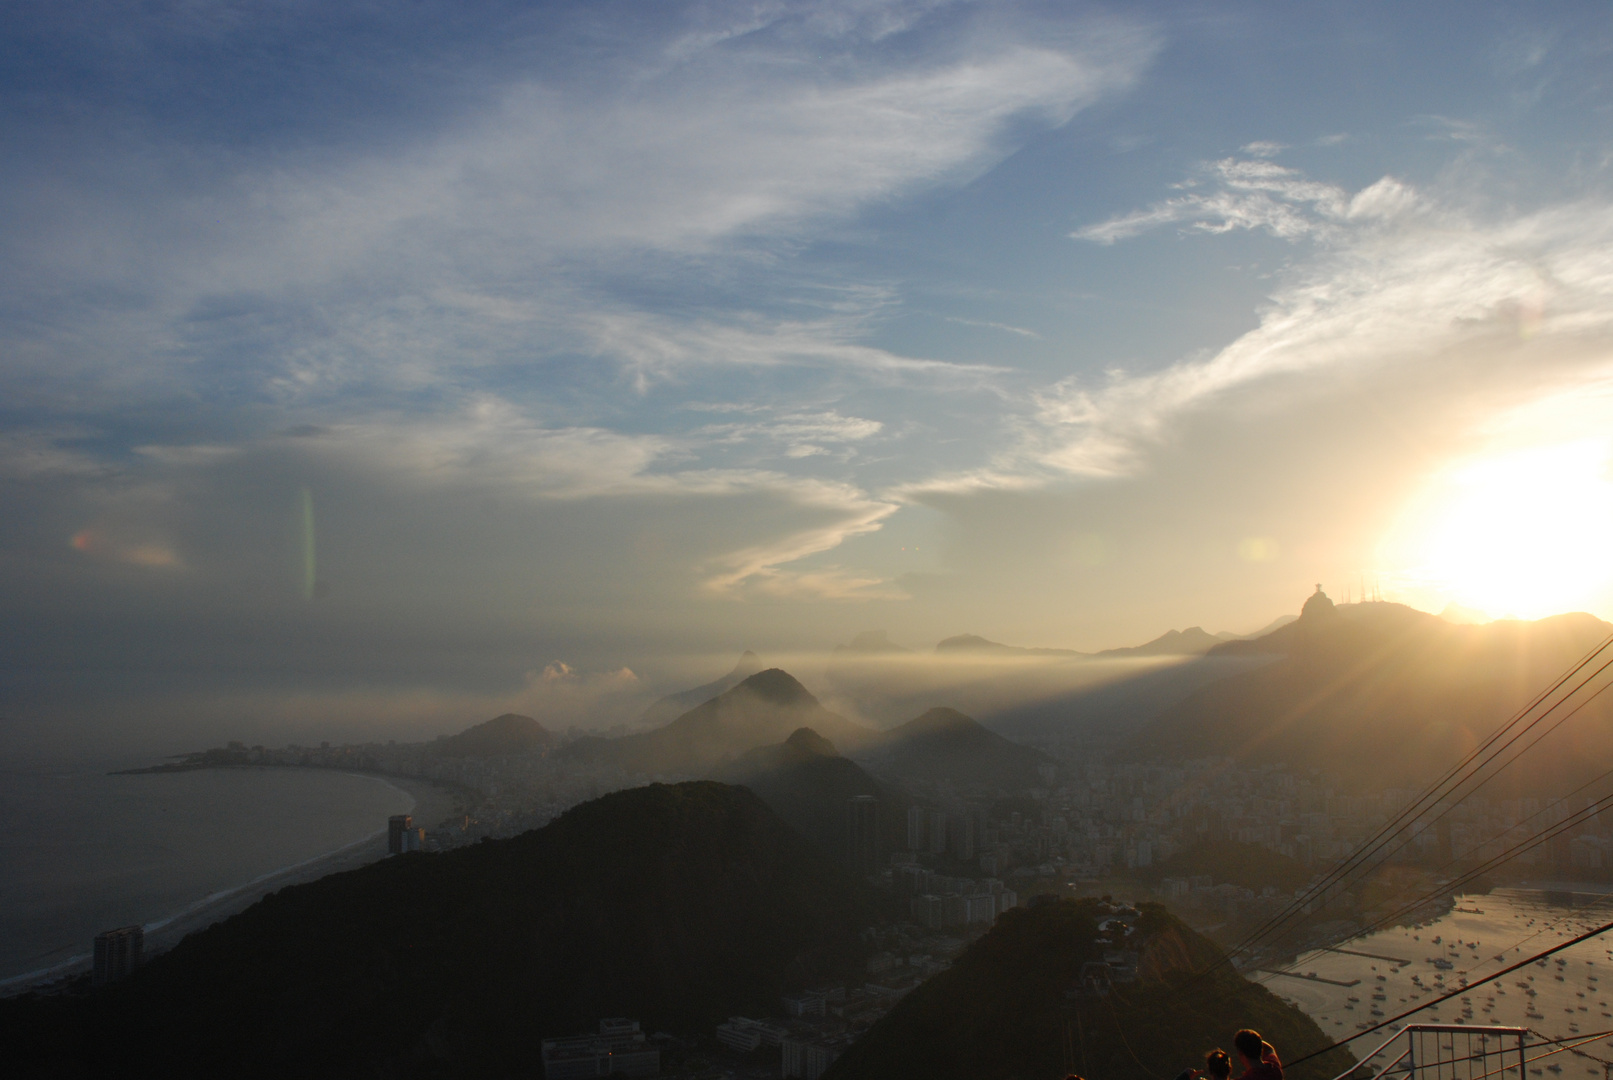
{"x": 433, "y": 804}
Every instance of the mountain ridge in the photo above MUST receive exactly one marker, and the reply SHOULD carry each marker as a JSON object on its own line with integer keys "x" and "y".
{"x": 1385, "y": 691}
{"x": 764, "y": 709}
{"x": 677, "y": 905}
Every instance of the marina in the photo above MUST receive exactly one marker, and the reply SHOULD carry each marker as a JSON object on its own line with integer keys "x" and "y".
{"x": 1559, "y": 997}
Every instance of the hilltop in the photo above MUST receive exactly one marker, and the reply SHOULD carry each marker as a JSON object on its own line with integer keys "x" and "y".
{"x": 1383, "y": 692}
{"x": 1001, "y": 1010}
{"x": 808, "y": 784}
{"x": 501, "y": 736}
{"x": 675, "y": 705}
{"x": 676, "y": 905}
{"x": 944, "y": 744}
{"x": 764, "y": 709}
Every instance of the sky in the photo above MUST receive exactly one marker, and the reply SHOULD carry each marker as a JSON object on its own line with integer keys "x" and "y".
{"x": 403, "y": 360}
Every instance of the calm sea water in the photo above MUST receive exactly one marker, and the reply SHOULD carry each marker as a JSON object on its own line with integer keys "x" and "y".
{"x": 81, "y": 851}
{"x": 1564, "y": 996}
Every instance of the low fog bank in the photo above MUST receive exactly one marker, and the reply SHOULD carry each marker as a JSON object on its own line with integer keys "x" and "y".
{"x": 119, "y": 716}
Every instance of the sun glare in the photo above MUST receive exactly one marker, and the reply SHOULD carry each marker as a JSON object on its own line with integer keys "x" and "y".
{"x": 1526, "y": 534}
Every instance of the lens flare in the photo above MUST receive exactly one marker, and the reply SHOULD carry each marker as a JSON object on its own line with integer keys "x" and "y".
{"x": 309, "y": 579}
{"x": 1525, "y": 534}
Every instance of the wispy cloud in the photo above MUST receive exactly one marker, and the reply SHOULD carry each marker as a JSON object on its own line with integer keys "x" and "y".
{"x": 1235, "y": 193}
{"x": 1403, "y": 281}
{"x": 1004, "y": 327}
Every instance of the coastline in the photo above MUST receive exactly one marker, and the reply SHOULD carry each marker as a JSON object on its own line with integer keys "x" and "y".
{"x": 432, "y": 803}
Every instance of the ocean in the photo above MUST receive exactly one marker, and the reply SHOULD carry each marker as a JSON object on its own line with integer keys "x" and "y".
{"x": 82, "y": 851}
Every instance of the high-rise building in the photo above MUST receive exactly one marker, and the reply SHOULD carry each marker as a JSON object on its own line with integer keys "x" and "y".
{"x": 862, "y": 834}
{"x": 402, "y": 835}
{"x": 937, "y": 832}
{"x": 915, "y": 828}
{"x": 117, "y": 953}
{"x": 960, "y": 835}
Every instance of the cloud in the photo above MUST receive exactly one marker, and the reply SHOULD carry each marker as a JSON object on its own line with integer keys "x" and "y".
{"x": 1004, "y": 327}
{"x": 1258, "y": 194}
{"x": 1397, "y": 288}
{"x": 317, "y": 269}
{"x": 653, "y": 346}
{"x": 841, "y": 512}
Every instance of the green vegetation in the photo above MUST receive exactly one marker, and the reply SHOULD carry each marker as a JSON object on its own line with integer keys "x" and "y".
{"x": 1001, "y": 1012}
{"x": 678, "y": 905}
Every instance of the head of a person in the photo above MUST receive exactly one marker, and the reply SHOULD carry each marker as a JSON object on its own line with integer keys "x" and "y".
{"x": 1249, "y": 1045}
{"x": 1218, "y": 1064}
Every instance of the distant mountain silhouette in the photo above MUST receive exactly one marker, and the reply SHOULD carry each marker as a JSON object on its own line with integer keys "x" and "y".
{"x": 673, "y": 706}
{"x": 1384, "y": 692}
{"x": 1001, "y": 1011}
{"x": 1193, "y": 641}
{"x": 762, "y": 710}
{"x": 973, "y": 643}
{"x": 944, "y": 744}
{"x": 870, "y": 642}
{"x": 1110, "y": 712}
{"x": 501, "y": 736}
{"x": 808, "y": 784}
{"x": 678, "y": 906}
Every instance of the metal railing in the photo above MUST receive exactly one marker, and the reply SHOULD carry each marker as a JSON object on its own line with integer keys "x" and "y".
{"x": 1447, "y": 1052}
{"x": 1470, "y": 1052}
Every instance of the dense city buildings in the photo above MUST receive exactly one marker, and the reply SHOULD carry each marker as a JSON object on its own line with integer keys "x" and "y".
{"x": 619, "y": 1049}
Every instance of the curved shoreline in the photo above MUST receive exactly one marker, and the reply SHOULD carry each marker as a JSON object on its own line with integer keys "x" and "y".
{"x": 164, "y": 933}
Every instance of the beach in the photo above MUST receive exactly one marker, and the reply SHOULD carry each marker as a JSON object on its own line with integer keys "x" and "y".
{"x": 175, "y": 853}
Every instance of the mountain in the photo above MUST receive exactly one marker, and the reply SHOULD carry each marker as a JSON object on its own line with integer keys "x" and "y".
{"x": 803, "y": 747}
{"x": 677, "y": 906}
{"x": 1096, "y": 697}
{"x": 870, "y": 643}
{"x": 944, "y": 744}
{"x": 1001, "y": 1010}
{"x": 501, "y": 736}
{"x": 673, "y": 706}
{"x": 973, "y": 643}
{"x": 808, "y": 784}
{"x": 1193, "y": 641}
{"x": 762, "y": 710}
{"x": 1383, "y": 692}
{"x": 1107, "y": 713}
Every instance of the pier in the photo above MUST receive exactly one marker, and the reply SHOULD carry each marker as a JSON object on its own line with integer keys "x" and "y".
{"x": 1368, "y": 955}
{"x": 1310, "y": 978}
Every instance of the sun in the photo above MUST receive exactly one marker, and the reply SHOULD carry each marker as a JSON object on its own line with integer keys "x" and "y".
{"x": 1527, "y": 533}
